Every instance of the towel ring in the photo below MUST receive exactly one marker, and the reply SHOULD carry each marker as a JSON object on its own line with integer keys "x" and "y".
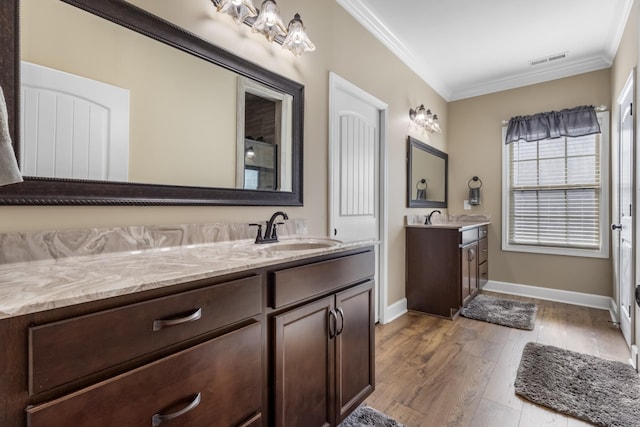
{"x": 424, "y": 182}
{"x": 475, "y": 179}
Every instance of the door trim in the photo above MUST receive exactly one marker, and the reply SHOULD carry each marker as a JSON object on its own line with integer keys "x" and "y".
{"x": 336, "y": 82}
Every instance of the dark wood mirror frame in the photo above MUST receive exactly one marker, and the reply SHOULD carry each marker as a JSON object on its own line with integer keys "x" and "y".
{"x": 49, "y": 191}
{"x": 415, "y": 203}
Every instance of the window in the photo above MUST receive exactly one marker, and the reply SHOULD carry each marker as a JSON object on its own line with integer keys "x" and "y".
{"x": 555, "y": 198}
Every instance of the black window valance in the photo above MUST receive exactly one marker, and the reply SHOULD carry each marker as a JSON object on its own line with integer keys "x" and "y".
{"x": 573, "y": 122}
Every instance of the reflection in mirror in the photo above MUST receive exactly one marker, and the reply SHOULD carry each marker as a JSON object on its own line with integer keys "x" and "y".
{"x": 183, "y": 144}
{"x": 427, "y": 175}
{"x": 171, "y": 123}
{"x": 263, "y": 151}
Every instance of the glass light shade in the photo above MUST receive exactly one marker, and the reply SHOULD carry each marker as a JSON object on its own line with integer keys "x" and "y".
{"x": 420, "y": 116}
{"x": 269, "y": 22}
{"x": 297, "y": 40}
{"x": 436, "y": 124}
{"x": 429, "y": 119}
{"x": 239, "y": 10}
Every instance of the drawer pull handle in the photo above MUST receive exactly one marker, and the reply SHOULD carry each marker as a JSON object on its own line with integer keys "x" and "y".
{"x": 164, "y": 323}
{"x": 158, "y": 419}
{"x": 332, "y": 324}
{"x": 341, "y": 313}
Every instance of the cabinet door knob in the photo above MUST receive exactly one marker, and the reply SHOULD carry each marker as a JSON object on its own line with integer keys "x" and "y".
{"x": 164, "y": 323}
{"x": 158, "y": 419}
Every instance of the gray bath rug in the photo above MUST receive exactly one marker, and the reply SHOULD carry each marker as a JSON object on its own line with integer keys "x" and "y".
{"x": 505, "y": 312}
{"x": 366, "y": 416}
{"x": 602, "y": 392}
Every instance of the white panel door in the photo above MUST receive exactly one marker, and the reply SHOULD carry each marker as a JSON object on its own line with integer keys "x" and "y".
{"x": 356, "y": 173}
{"x": 73, "y": 127}
{"x": 623, "y": 182}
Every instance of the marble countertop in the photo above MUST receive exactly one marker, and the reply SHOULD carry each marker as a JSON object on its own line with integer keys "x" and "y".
{"x": 33, "y": 286}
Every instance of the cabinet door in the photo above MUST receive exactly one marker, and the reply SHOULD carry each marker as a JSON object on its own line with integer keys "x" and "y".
{"x": 355, "y": 359}
{"x": 469, "y": 271}
{"x": 304, "y": 365}
{"x": 216, "y": 383}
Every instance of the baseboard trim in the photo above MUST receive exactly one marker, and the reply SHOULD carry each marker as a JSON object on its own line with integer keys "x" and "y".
{"x": 567, "y": 297}
{"x": 395, "y": 310}
{"x": 634, "y": 357}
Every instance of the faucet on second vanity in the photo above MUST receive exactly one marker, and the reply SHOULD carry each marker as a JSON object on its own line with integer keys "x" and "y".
{"x": 427, "y": 220}
{"x": 270, "y": 232}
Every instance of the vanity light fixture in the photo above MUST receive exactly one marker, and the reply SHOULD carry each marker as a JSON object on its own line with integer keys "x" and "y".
{"x": 425, "y": 119}
{"x": 239, "y": 10}
{"x": 269, "y": 23}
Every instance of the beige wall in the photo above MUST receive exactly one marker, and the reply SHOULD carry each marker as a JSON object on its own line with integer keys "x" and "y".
{"x": 475, "y": 149}
{"x": 475, "y": 145}
{"x": 344, "y": 47}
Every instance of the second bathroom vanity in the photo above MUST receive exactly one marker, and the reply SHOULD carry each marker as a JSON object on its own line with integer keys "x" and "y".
{"x": 446, "y": 265}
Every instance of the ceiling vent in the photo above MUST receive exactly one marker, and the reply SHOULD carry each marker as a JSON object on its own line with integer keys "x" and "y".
{"x": 547, "y": 59}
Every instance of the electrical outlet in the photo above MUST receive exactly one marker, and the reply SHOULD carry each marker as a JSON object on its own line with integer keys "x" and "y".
{"x": 466, "y": 205}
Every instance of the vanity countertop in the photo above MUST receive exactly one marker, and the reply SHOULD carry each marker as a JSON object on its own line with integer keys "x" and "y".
{"x": 33, "y": 286}
{"x": 451, "y": 225}
{"x": 454, "y": 222}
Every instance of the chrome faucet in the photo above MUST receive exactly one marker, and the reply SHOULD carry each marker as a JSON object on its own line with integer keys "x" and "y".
{"x": 270, "y": 232}
{"x": 427, "y": 221}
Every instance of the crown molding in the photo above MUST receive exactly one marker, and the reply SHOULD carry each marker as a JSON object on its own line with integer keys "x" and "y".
{"x": 622, "y": 9}
{"x": 568, "y": 69}
{"x": 361, "y": 13}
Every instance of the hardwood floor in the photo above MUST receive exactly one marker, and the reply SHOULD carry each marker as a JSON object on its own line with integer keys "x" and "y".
{"x": 433, "y": 372}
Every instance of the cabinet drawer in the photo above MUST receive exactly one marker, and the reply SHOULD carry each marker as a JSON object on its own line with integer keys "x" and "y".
{"x": 299, "y": 283}
{"x": 64, "y": 351}
{"x": 216, "y": 383}
{"x": 469, "y": 236}
{"x": 483, "y": 250}
{"x": 482, "y": 232}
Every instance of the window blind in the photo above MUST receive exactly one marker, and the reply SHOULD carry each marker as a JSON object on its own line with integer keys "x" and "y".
{"x": 555, "y": 187}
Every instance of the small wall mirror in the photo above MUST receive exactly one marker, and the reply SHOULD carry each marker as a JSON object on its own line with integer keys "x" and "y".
{"x": 427, "y": 175}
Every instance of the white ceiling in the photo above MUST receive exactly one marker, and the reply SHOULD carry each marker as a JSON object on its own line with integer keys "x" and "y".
{"x": 465, "y": 48}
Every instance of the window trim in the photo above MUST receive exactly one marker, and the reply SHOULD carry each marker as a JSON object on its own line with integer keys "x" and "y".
{"x": 603, "y": 252}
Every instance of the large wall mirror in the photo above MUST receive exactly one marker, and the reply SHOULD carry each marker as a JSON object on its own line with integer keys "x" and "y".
{"x": 110, "y": 104}
{"x": 427, "y": 175}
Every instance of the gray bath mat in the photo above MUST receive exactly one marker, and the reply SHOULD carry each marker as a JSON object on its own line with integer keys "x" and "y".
{"x": 366, "y": 416}
{"x": 602, "y": 392}
{"x": 505, "y": 312}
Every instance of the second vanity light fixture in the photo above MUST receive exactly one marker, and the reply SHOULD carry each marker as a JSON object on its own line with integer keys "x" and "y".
{"x": 268, "y": 23}
{"x": 425, "y": 119}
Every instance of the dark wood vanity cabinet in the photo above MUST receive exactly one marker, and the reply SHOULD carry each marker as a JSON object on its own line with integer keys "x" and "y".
{"x": 216, "y": 383}
{"x": 220, "y": 374}
{"x": 445, "y": 267}
{"x": 324, "y": 350}
{"x": 284, "y": 345}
